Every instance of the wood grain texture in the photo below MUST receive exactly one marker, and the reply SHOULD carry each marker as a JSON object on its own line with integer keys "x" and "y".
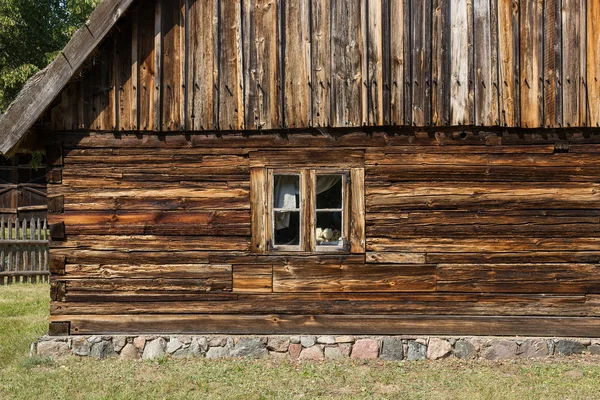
{"x": 486, "y": 63}
{"x": 593, "y": 63}
{"x": 203, "y": 67}
{"x": 460, "y": 112}
{"x": 509, "y": 66}
{"x": 399, "y": 50}
{"x": 571, "y": 67}
{"x": 532, "y": 64}
{"x": 321, "y": 62}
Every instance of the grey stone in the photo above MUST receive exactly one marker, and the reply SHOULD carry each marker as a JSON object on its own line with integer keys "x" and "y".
{"x": 53, "y": 348}
{"x": 569, "y": 347}
{"x": 217, "y": 352}
{"x": 308, "y": 341}
{"x": 119, "y": 342}
{"x": 314, "y": 353}
{"x": 464, "y": 349}
{"x": 294, "y": 339}
{"x": 333, "y": 353}
{"x": 500, "y": 349}
{"x": 173, "y": 345}
{"x": 197, "y": 348}
{"x": 217, "y": 341}
{"x": 551, "y": 346}
{"x": 185, "y": 339}
{"x": 155, "y": 349}
{"x": 392, "y": 349}
{"x": 326, "y": 340}
{"x": 81, "y": 346}
{"x": 594, "y": 349}
{"x": 103, "y": 349}
{"x": 184, "y": 352}
{"x": 94, "y": 339}
{"x": 533, "y": 348}
{"x": 416, "y": 351}
{"x": 129, "y": 352}
{"x": 202, "y": 343}
{"x": 438, "y": 348}
{"x": 279, "y": 344}
{"x": 249, "y": 347}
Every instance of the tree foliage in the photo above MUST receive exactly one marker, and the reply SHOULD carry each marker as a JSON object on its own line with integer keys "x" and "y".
{"x": 32, "y": 33}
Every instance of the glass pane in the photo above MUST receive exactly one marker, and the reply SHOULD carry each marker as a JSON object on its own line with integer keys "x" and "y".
{"x": 286, "y": 193}
{"x": 329, "y": 191}
{"x": 329, "y": 228}
{"x": 287, "y": 228}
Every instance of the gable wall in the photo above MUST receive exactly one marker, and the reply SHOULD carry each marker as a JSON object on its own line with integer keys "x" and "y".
{"x": 268, "y": 64}
{"x": 466, "y": 233}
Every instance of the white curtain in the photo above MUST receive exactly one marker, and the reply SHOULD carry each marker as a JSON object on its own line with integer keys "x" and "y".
{"x": 286, "y": 190}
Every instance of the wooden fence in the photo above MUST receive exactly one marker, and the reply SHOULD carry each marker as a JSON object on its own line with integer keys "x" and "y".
{"x": 23, "y": 251}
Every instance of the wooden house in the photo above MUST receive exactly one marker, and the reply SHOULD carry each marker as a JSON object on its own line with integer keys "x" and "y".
{"x": 323, "y": 166}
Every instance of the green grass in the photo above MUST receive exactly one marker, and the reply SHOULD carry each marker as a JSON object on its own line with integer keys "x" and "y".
{"x": 23, "y": 317}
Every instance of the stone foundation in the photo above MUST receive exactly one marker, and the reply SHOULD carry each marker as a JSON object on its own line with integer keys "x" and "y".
{"x": 313, "y": 347}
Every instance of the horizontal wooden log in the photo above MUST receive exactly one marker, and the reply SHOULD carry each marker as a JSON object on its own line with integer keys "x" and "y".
{"x": 147, "y": 271}
{"x": 154, "y": 243}
{"x": 330, "y": 303}
{"x": 479, "y": 245}
{"x": 218, "y": 282}
{"x": 519, "y": 278}
{"x": 252, "y": 278}
{"x": 300, "y": 277}
{"x": 303, "y": 158}
{"x": 128, "y": 257}
{"x": 332, "y": 324}
{"x": 437, "y": 195}
{"x": 483, "y": 160}
{"x": 479, "y": 256}
{"x": 395, "y": 258}
{"x": 464, "y": 173}
{"x": 188, "y": 223}
{"x": 182, "y": 157}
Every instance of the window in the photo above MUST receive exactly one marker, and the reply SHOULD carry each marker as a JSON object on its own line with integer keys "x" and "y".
{"x": 308, "y": 210}
{"x": 307, "y": 201}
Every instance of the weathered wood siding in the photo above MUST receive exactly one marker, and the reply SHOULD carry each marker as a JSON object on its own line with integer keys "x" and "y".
{"x": 466, "y": 233}
{"x": 252, "y": 64}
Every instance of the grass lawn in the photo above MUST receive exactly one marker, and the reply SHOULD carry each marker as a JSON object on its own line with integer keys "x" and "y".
{"x": 23, "y": 317}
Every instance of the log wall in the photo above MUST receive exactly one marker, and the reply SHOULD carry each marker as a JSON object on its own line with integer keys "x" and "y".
{"x": 467, "y": 232}
{"x": 269, "y": 64}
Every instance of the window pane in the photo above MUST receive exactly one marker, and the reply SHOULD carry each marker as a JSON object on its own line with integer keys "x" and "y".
{"x": 329, "y": 191}
{"x": 287, "y": 228}
{"x": 329, "y": 228}
{"x": 286, "y": 193}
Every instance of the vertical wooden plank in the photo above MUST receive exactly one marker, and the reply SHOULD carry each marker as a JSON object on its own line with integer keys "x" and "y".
{"x": 108, "y": 105}
{"x": 231, "y": 81}
{"x": 357, "y": 210}
{"x": 321, "y": 62}
{"x": 386, "y": 61}
{"x": 261, "y": 64}
{"x": 203, "y": 68}
{"x": 459, "y": 67}
{"x": 552, "y": 64}
{"x": 347, "y": 63}
{"x": 532, "y": 64}
{"x": 593, "y": 62}
{"x": 583, "y": 89}
{"x": 421, "y": 14}
{"x": 173, "y": 57}
{"x": 486, "y": 63}
{"x": 125, "y": 74}
{"x": 297, "y": 63}
{"x": 258, "y": 206}
{"x": 440, "y": 63}
{"x": 375, "y": 83}
{"x": 397, "y": 39}
{"x": 158, "y": 66}
{"x": 146, "y": 57}
{"x": 571, "y": 28}
{"x": 309, "y": 194}
{"x": 508, "y": 68}
{"x": 134, "y": 72}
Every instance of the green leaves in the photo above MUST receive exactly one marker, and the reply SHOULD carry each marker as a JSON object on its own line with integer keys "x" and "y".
{"x": 31, "y": 34}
